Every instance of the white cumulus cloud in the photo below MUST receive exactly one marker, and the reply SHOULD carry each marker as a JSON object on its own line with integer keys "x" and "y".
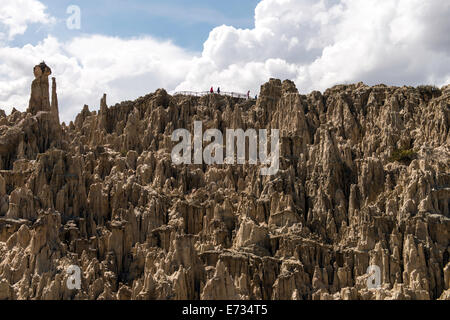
{"x": 321, "y": 43}
{"x": 16, "y": 15}
{"x": 88, "y": 66}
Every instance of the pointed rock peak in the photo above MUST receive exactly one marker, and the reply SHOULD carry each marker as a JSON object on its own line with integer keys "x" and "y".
{"x": 42, "y": 70}
{"x": 271, "y": 88}
{"x": 54, "y": 105}
{"x": 161, "y": 98}
{"x": 288, "y": 86}
{"x": 103, "y": 105}
{"x": 161, "y": 92}
{"x": 40, "y": 100}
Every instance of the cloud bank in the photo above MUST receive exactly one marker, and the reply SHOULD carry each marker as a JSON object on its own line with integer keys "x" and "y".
{"x": 315, "y": 43}
{"x": 321, "y": 43}
{"x": 16, "y": 15}
{"x": 87, "y": 67}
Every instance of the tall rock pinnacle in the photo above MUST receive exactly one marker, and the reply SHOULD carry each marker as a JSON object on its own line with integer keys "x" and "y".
{"x": 40, "y": 99}
{"x": 54, "y": 106}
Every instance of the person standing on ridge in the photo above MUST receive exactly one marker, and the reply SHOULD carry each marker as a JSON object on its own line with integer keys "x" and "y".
{"x": 212, "y": 90}
{"x": 218, "y": 90}
{"x": 248, "y": 94}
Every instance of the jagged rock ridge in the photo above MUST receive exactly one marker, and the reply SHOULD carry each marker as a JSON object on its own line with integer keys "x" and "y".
{"x": 364, "y": 180}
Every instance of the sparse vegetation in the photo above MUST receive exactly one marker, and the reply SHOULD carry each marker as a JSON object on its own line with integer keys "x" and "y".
{"x": 405, "y": 156}
{"x": 428, "y": 89}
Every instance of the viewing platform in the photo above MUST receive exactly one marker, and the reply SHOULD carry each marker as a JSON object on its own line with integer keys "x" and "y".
{"x": 205, "y": 93}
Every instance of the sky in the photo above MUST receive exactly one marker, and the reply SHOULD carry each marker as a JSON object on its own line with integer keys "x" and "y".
{"x": 131, "y": 48}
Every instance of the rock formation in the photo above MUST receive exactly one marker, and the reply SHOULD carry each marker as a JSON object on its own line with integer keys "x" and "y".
{"x": 40, "y": 100}
{"x": 364, "y": 181}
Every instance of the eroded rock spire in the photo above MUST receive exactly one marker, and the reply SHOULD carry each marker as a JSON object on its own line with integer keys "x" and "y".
{"x": 40, "y": 99}
{"x": 54, "y": 106}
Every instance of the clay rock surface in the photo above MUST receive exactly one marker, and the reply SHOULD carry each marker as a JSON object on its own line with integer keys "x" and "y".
{"x": 364, "y": 181}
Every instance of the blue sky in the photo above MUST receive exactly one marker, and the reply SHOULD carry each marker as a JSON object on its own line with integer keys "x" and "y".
{"x": 186, "y": 22}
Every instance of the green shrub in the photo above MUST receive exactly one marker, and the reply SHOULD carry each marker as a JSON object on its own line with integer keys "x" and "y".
{"x": 433, "y": 90}
{"x": 405, "y": 156}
